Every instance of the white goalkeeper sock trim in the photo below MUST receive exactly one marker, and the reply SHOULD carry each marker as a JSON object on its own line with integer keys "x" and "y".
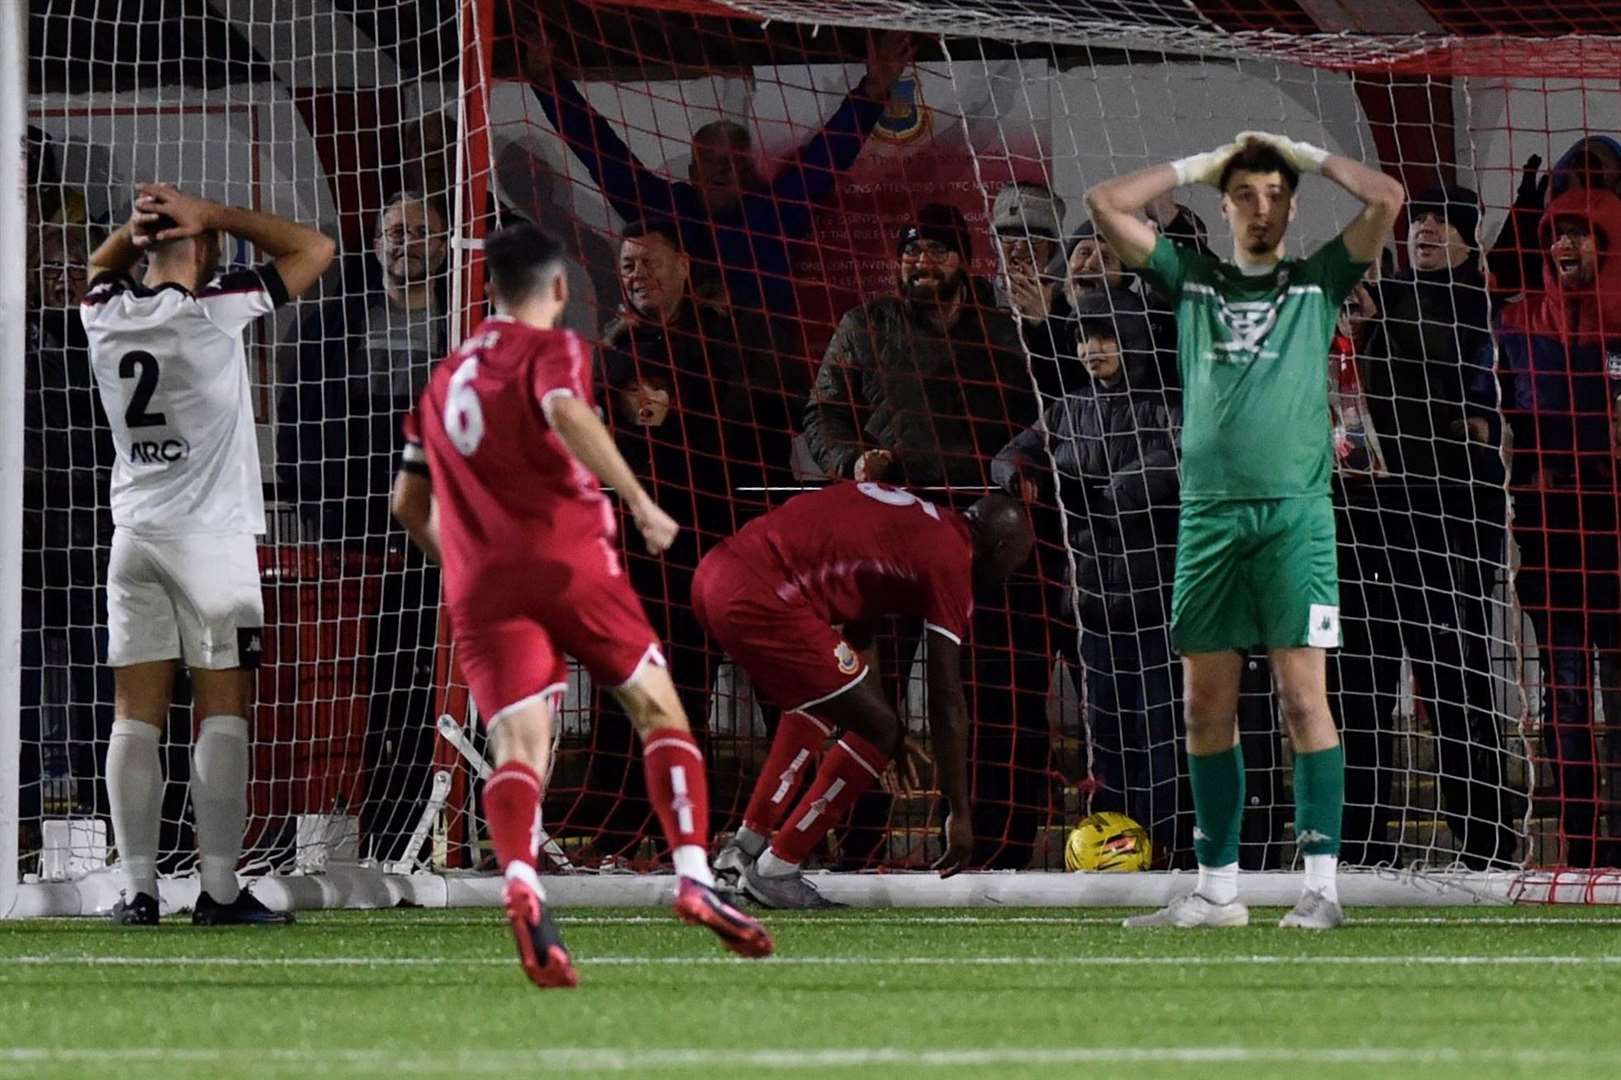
{"x": 1321, "y": 876}
{"x": 219, "y": 799}
{"x": 1218, "y": 884}
{"x": 135, "y": 792}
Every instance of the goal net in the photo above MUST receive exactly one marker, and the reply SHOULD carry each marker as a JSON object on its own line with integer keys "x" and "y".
{"x": 802, "y": 232}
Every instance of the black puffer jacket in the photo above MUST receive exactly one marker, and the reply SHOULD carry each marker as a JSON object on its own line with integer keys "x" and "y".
{"x": 1116, "y": 456}
{"x": 942, "y": 401}
{"x": 726, "y": 433}
{"x": 1422, "y": 376}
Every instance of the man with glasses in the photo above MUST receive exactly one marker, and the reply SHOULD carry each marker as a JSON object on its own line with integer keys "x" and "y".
{"x": 920, "y": 389}
{"x": 361, "y": 362}
{"x": 67, "y": 459}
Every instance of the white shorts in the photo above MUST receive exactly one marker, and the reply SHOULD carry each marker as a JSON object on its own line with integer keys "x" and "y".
{"x": 194, "y": 598}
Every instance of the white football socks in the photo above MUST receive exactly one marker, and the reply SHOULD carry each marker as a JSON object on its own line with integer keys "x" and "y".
{"x": 1218, "y": 884}
{"x": 1321, "y": 876}
{"x": 135, "y": 790}
{"x": 523, "y": 872}
{"x": 219, "y": 799}
{"x": 770, "y": 864}
{"x": 750, "y": 841}
{"x": 692, "y": 861}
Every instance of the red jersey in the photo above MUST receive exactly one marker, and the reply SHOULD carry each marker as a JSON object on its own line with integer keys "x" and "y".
{"x": 510, "y": 495}
{"x": 856, "y": 552}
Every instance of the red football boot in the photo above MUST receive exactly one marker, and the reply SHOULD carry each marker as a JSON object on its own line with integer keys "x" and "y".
{"x": 540, "y": 946}
{"x": 698, "y": 905}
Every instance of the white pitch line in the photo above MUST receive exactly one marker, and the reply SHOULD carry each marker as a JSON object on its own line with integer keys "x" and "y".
{"x": 615, "y": 1059}
{"x": 1255, "y": 960}
{"x": 1358, "y": 918}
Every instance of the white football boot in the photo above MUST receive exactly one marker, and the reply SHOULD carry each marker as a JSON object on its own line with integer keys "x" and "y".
{"x": 1314, "y": 911}
{"x": 1193, "y": 910}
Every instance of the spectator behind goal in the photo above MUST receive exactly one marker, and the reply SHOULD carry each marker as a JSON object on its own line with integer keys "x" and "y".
{"x": 921, "y": 389}
{"x": 735, "y": 224}
{"x": 183, "y": 577}
{"x": 1116, "y": 482}
{"x": 66, "y": 697}
{"x": 1555, "y": 346}
{"x": 361, "y": 359}
{"x": 1422, "y": 534}
{"x": 697, "y": 405}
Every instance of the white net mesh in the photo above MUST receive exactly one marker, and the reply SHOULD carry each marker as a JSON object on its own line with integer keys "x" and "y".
{"x": 325, "y": 119}
{"x": 403, "y": 128}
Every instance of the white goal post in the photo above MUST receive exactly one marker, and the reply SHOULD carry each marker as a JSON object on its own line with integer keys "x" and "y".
{"x": 13, "y": 307}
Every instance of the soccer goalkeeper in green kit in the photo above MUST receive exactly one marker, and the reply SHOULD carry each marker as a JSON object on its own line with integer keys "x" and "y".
{"x": 1255, "y": 560}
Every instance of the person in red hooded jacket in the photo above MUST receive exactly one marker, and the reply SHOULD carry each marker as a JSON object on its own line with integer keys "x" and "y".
{"x": 1560, "y": 352}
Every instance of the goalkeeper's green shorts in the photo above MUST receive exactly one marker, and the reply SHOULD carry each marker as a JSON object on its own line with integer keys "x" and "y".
{"x": 1256, "y": 574}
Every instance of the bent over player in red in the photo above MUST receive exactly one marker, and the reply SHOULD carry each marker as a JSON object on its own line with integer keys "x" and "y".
{"x": 500, "y": 484}
{"x": 793, "y": 599}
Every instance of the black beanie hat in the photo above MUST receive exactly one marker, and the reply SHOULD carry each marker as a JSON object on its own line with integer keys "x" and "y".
{"x": 1459, "y": 206}
{"x": 941, "y": 223}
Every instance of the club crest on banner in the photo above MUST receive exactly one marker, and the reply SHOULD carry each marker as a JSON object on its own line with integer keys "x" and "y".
{"x": 906, "y": 117}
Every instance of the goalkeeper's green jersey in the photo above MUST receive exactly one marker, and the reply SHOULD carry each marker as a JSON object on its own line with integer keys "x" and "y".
{"x": 1253, "y": 353}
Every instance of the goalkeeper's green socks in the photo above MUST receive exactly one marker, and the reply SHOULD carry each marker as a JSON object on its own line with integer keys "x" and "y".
{"x": 1319, "y": 806}
{"x": 1218, "y": 812}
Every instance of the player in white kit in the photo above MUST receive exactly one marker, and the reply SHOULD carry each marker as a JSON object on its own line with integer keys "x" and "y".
{"x": 183, "y": 579}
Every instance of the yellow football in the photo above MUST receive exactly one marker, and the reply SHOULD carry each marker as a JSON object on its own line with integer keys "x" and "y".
{"x": 1110, "y": 842}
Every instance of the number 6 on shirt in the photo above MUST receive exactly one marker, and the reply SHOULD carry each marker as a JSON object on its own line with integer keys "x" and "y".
{"x": 464, "y": 418}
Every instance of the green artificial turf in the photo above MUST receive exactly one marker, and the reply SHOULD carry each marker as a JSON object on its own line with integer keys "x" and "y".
{"x": 1500, "y": 992}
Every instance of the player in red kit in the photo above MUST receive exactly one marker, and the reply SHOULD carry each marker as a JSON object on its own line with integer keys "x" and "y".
{"x": 500, "y": 484}
{"x": 794, "y": 597}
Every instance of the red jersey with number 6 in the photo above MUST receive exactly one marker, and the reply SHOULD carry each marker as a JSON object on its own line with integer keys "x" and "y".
{"x": 855, "y": 552}
{"x": 510, "y": 495}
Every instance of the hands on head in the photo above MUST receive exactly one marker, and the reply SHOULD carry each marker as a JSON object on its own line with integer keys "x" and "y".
{"x": 1206, "y": 168}
{"x": 162, "y": 213}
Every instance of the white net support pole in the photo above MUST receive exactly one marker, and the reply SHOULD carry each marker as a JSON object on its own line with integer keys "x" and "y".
{"x": 13, "y": 303}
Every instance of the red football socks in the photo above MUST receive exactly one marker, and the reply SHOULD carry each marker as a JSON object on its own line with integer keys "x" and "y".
{"x": 797, "y": 744}
{"x": 677, "y": 787}
{"x": 847, "y": 771}
{"x": 512, "y": 809}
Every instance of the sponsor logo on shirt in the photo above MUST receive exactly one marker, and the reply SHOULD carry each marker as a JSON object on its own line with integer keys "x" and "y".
{"x": 1249, "y": 323}
{"x": 156, "y": 452}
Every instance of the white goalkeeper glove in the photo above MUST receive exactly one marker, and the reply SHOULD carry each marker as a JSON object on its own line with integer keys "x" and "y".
{"x": 1204, "y": 168}
{"x": 1305, "y": 157}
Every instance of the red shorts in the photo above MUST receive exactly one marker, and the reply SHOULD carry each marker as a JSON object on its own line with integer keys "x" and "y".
{"x": 512, "y": 636}
{"x": 792, "y": 656}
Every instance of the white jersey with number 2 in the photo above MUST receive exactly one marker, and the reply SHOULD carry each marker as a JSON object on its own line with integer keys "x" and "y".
{"x": 173, "y": 378}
